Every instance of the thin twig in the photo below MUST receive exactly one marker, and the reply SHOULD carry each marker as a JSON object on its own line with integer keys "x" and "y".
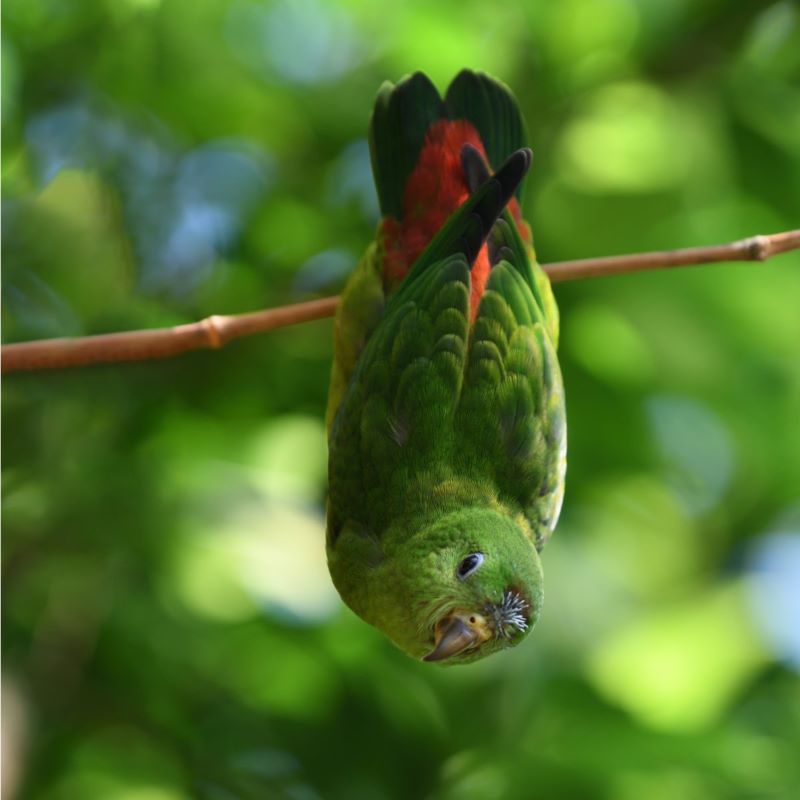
{"x": 216, "y": 331}
{"x": 211, "y": 332}
{"x": 756, "y": 248}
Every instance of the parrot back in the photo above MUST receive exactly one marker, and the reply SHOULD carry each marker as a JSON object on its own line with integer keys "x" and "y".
{"x": 417, "y": 143}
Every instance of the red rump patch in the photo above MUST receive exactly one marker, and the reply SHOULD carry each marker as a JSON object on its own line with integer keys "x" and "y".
{"x": 435, "y": 189}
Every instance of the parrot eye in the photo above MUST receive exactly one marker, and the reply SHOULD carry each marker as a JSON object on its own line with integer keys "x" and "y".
{"x": 469, "y": 565}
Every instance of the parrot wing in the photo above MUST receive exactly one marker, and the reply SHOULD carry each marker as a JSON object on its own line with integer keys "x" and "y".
{"x": 357, "y": 314}
{"x": 394, "y": 427}
{"x": 511, "y": 420}
{"x": 402, "y": 117}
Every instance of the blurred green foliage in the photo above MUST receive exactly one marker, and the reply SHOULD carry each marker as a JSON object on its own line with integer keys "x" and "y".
{"x": 169, "y": 627}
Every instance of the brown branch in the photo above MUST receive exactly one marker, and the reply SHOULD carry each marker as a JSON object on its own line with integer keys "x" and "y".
{"x": 756, "y": 248}
{"x": 216, "y": 331}
{"x": 211, "y": 332}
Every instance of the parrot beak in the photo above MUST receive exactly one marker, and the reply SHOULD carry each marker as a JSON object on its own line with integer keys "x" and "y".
{"x": 455, "y": 634}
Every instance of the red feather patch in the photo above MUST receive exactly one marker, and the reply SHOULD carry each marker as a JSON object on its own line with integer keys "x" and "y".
{"x": 435, "y": 189}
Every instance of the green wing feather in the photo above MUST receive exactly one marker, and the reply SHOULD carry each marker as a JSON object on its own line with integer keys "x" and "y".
{"x": 400, "y": 120}
{"x": 432, "y": 399}
{"x": 511, "y": 420}
{"x": 362, "y": 303}
{"x": 358, "y": 313}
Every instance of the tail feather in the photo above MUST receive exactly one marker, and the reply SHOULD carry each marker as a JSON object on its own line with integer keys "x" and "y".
{"x": 401, "y": 118}
{"x": 500, "y": 189}
{"x": 405, "y": 112}
{"x": 491, "y": 107}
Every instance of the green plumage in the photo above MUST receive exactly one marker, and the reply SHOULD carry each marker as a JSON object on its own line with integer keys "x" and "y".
{"x": 447, "y": 433}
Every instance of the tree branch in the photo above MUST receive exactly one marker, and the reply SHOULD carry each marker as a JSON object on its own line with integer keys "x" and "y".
{"x": 756, "y": 248}
{"x": 216, "y": 331}
{"x": 212, "y": 332}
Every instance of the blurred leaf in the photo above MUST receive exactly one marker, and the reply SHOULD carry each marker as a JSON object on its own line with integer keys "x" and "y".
{"x": 680, "y": 669}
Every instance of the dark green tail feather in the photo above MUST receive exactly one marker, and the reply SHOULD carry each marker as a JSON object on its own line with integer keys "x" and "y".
{"x": 400, "y": 120}
{"x": 489, "y": 105}
{"x": 404, "y": 112}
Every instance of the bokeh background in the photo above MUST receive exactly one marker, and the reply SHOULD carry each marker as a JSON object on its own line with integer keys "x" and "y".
{"x": 169, "y": 628}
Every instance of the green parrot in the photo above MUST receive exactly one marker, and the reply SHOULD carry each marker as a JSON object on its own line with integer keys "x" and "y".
{"x": 446, "y": 424}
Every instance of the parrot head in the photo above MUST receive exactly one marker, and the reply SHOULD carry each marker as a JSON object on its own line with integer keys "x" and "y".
{"x": 463, "y": 587}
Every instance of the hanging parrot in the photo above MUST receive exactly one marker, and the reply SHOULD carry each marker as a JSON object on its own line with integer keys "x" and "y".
{"x": 446, "y": 426}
